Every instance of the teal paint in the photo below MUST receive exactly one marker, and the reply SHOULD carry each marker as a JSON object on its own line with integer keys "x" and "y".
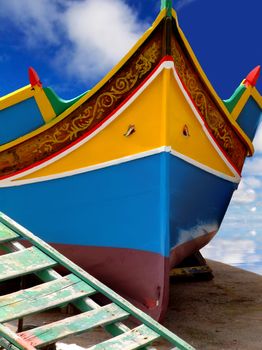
{"x": 59, "y": 105}
{"x": 233, "y": 100}
{"x": 167, "y": 4}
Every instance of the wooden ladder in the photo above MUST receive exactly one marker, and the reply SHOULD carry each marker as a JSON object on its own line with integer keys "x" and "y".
{"x": 38, "y": 258}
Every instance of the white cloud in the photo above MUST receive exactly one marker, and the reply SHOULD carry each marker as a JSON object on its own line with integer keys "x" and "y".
{"x": 101, "y": 32}
{"x": 252, "y": 182}
{"x": 244, "y": 194}
{"x": 38, "y": 21}
{"x": 253, "y": 233}
{"x": 253, "y": 167}
{"x": 258, "y": 139}
{"x": 232, "y": 252}
{"x": 248, "y": 189}
{"x": 87, "y": 37}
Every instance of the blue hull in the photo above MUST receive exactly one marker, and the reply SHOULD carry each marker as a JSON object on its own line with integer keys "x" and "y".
{"x": 152, "y": 204}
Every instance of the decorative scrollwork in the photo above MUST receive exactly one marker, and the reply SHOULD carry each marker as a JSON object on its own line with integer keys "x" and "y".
{"x": 121, "y": 85}
{"x": 214, "y": 118}
{"x": 86, "y": 116}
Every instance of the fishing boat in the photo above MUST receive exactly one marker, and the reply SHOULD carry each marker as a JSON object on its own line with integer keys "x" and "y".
{"x": 136, "y": 174}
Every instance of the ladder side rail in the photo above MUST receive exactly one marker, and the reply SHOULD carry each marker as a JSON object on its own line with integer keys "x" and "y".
{"x": 6, "y": 234}
{"x": 7, "y": 345}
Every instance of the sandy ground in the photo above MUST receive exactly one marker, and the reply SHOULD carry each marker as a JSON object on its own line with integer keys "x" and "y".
{"x": 224, "y": 313}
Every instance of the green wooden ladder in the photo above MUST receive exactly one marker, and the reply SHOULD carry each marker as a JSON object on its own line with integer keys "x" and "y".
{"x": 56, "y": 290}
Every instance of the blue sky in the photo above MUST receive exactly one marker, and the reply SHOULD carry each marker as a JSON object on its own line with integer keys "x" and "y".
{"x": 73, "y": 43}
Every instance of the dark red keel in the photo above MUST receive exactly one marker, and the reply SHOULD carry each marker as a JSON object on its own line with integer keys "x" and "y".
{"x": 141, "y": 277}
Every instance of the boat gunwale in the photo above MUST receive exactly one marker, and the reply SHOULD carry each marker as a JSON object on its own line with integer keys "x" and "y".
{"x": 122, "y": 62}
{"x": 218, "y": 102}
{"x": 163, "y": 64}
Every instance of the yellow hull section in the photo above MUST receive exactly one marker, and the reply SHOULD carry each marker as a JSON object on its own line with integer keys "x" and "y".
{"x": 160, "y": 115}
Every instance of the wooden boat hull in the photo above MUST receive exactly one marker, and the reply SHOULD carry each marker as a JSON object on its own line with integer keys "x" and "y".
{"x": 137, "y": 174}
{"x": 127, "y": 224}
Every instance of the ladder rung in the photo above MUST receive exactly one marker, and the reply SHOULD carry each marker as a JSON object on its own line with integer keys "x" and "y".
{"x": 134, "y": 339}
{"x": 74, "y": 325}
{"x": 43, "y": 297}
{"x": 6, "y": 234}
{"x": 23, "y": 262}
{"x": 84, "y": 304}
{"x": 11, "y": 340}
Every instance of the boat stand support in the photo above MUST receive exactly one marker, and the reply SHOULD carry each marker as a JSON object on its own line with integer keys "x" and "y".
{"x": 195, "y": 266}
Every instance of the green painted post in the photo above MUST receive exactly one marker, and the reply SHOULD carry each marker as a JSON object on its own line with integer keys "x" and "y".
{"x": 167, "y": 4}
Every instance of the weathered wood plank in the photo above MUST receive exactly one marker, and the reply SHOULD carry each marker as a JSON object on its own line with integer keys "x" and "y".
{"x": 74, "y": 325}
{"x": 6, "y": 234}
{"x": 42, "y": 297}
{"x": 165, "y": 333}
{"x": 84, "y": 304}
{"x": 97, "y": 285}
{"x": 11, "y": 337}
{"x": 134, "y": 339}
{"x": 23, "y": 262}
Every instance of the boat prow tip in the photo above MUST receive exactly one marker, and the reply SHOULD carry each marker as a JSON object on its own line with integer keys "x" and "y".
{"x": 252, "y": 77}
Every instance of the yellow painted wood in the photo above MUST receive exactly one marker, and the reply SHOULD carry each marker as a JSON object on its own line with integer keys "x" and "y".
{"x": 42, "y": 297}
{"x": 145, "y": 113}
{"x": 250, "y": 92}
{"x": 151, "y": 124}
{"x": 43, "y": 104}
{"x": 196, "y": 145}
{"x": 257, "y": 97}
{"x": 211, "y": 89}
{"x": 94, "y": 89}
{"x": 143, "y": 38}
{"x": 15, "y": 97}
{"x": 241, "y": 103}
{"x": 23, "y": 262}
{"x": 26, "y": 92}
{"x": 159, "y": 115}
